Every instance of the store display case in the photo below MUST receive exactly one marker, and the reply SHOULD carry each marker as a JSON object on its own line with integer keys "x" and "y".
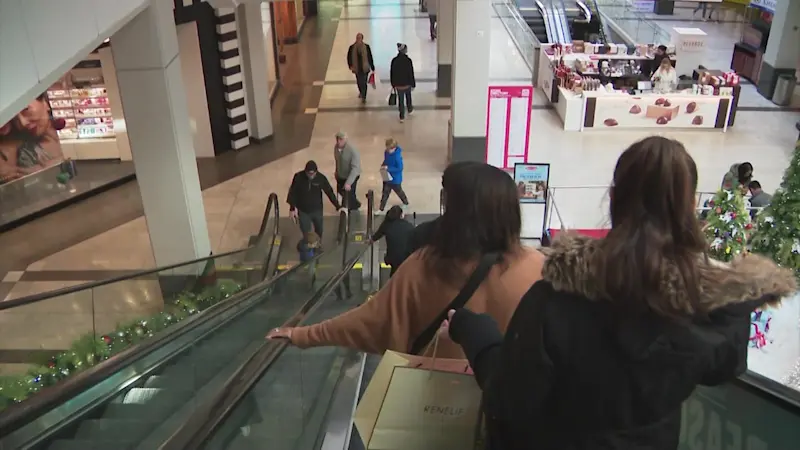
{"x": 85, "y": 110}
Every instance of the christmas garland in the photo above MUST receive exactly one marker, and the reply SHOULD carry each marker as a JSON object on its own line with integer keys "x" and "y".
{"x": 90, "y": 350}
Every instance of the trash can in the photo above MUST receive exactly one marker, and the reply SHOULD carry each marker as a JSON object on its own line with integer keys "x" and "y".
{"x": 784, "y": 89}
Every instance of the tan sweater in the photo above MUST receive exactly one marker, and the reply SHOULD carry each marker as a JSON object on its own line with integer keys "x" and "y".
{"x": 412, "y": 300}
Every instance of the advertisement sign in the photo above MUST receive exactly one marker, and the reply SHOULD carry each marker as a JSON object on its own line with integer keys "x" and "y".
{"x": 766, "y": 5}
{"x": 653, "y": 111}
{"x": 29, "y": 142}
{"x": 646, "y": 6}
{"x": 508, "y": 125}
{"x": 532, "y": 181}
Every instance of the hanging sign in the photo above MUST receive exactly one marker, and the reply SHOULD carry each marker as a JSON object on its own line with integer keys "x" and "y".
{"x": 508, "y": 125}
{"x": 766, "y": 5}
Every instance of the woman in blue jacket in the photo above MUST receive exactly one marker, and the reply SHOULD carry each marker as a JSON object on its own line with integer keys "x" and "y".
{"x": 392, "y": 172}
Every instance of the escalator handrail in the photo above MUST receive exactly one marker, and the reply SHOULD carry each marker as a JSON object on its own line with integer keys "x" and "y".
{"x": 208, "y": 417}
{"x": 18, "y": 415}
{"x": 276, "y": 214}
{"x": 272, "y": 202}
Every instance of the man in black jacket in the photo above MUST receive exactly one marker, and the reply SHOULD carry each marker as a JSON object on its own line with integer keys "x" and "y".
{"x": 359, "y": 60}
{"x": 402, "y": 79}
{"x": 305, "y": 198}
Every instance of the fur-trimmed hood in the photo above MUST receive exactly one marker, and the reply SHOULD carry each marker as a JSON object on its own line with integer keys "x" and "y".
{"x": 570, "y": 268}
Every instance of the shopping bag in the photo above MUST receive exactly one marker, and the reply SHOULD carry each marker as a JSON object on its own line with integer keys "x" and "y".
{"x": 420, "y": 403}
{"x": 392, "y": 98}
{"x": 373, "y": 80}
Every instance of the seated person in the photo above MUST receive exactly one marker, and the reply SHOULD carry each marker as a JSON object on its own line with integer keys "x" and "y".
{"x": 308, "y": 247}
{"x": 397, "y": 232}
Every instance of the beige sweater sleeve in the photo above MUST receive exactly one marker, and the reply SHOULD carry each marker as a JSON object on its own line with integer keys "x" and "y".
{"x": 383, "y": 323}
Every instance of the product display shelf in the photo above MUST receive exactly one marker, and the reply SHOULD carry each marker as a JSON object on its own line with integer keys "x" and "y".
{"x": 85, "y": 110}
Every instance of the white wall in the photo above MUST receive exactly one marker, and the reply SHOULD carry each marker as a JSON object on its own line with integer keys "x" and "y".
{"x": 194, "y": 83}
{"x": 269, "y": 38}
{"x": 42, "y": 39}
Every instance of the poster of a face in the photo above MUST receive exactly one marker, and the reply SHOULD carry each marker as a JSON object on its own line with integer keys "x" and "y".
{"x": 532, "y": 181}
{"x": 29, "y": 142}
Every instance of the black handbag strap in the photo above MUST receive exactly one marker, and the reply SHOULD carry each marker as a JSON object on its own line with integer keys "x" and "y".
{"x": 473, "y": 282}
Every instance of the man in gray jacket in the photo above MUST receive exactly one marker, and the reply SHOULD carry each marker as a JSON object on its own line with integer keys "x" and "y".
{"x": 348, "y": 170}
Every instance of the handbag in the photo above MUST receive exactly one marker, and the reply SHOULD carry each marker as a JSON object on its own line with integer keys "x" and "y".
{"x": 473, "y": 282}
{"x": 393, "y": 98}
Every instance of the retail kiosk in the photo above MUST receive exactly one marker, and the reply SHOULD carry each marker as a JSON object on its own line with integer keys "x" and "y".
{"x": 607, "y": 87}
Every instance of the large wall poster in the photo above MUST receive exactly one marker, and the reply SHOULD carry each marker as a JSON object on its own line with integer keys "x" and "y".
{"x": 29, "y": 142}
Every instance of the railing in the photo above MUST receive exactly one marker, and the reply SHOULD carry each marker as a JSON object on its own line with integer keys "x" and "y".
{"x": 632, "y": 22}
{"x": 208, "y": 417}
{"x": 560, "y": 21}
{"x": 587, "y": 207}
{"x": 519, "y": 31}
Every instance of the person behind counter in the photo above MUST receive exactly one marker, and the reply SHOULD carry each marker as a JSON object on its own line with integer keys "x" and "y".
{"x": 665, "y": 79}
{"x": 661, "y": 53}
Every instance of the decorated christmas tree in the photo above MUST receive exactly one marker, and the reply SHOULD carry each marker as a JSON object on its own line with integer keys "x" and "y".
{"x": 728, "y": 225}
{"x": 778, "y": 230}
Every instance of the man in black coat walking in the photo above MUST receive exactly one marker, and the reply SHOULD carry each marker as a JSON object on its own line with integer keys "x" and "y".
{"x": 305, "y": 198}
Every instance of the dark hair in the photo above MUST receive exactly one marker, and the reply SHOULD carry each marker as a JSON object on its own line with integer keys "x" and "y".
{"x": 663, "y": 48}
{"x": 754, "y": 185}
{"x": 481, "y": 216}
{"x": 394, "y": 213}
{"x": 745, "y": 172}
{"x": 653, "y": 224}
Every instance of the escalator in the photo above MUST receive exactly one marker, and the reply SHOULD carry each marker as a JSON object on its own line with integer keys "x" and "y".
{"x": 535, "y": 20}
{"x": 138, "y": 397}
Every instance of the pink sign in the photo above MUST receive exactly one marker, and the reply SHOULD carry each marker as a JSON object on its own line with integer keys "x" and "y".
{"x": 508, "y": 125}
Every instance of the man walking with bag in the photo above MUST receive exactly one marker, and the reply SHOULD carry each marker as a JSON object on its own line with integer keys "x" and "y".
{"x": 359, "y": 60}
{"x": 402, "y": 79}
{"x": 348, "y": 171}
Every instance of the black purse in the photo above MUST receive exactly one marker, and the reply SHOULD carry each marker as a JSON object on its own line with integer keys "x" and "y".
{"x": 393, "y": 98}
{"x": 473, "y": 282}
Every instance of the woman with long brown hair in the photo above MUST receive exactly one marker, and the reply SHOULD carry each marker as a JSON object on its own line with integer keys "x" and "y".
{"x": 602, "y": 352}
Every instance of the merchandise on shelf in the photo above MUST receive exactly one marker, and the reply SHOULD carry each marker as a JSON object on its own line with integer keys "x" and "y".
{"x": 85, "y": 110}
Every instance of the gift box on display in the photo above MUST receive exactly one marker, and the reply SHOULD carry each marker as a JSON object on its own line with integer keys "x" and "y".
{"x": 420, "y": 403}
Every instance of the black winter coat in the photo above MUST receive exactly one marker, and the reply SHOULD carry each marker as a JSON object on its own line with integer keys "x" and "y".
{"x": 306, "y": 194}
{"x": 398, "y": 236}
{"x": 576, "y": 372}
{"x": 402, "y": 71}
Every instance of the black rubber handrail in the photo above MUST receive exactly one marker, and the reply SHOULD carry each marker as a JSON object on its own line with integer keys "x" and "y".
{"x": 15, "y": 416}
{"x": 197, "y": 429}
{"x": 272, "y": 202}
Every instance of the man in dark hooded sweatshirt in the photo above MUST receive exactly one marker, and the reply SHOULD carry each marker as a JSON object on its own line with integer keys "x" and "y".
{"x": 305, "y": 198}
{"x": 403, "y": 81}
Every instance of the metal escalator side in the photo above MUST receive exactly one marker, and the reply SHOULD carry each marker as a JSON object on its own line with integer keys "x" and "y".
{"x": 596, "y": 20}
{"x": 117, "y": 402}
{"x": 560, "y": 21}
{"x": 297, "y": 384}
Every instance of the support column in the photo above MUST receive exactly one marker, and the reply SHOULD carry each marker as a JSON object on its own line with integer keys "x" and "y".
{"x": 157, "y": 118}
{"x": 445, "y": 34}
{"x": 253, "y": 53}
{"x": 470, "y": 79}
{"x": 783, "y": 47}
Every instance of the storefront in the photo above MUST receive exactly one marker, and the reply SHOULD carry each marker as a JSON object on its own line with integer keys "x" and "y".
{"x": 612, "y": 89}
{"x": 270, "y": 43}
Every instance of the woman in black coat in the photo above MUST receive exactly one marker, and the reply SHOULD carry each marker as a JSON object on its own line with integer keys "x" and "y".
{"x": 603, "y": 351}
{"x": 397, "y": 232}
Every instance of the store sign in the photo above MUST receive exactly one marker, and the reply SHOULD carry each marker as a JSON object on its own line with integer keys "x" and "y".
{"x": 531, "y": 180}
{"x": 766, "y": 5}
{"x": 690, "y": 44}
{"x": 508, "y": 125}
{"x": 646, "y": 6}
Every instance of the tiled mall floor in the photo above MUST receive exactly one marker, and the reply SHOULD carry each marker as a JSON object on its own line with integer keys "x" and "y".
{"x": 582, "y": 163}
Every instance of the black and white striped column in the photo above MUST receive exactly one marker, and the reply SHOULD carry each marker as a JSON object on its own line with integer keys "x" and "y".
{"x": 232, "y": 79}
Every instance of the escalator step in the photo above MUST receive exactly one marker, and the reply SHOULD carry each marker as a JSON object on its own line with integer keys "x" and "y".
{"x": 154, "y": 410}
{"x": 141, "y": 395}
{"x": 113, "y": 429}
{"x": 77, "y": 444}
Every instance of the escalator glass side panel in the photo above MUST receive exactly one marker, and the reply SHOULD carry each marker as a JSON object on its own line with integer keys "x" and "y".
{"x": 287, "y": 408}
{"x": 89, "y": 326}
{"x": 150, "y": 399}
